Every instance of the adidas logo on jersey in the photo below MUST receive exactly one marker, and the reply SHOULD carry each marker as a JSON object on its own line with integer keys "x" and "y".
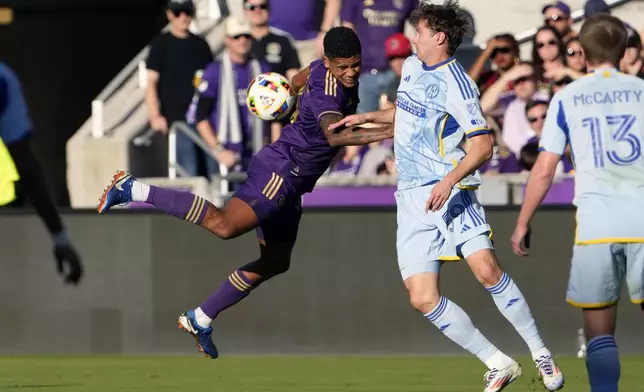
{"x": 407, "y": 78}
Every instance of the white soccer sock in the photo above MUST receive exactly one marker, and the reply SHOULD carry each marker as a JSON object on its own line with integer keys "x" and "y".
{"x": 513, "y": 306}
{"x": 454, "y": 323}
{"x": 140, "y": 191}
{"x": 203, "y": 320}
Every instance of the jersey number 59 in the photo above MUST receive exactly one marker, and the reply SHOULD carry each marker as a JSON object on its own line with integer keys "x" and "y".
{"x": 620, "y": 127}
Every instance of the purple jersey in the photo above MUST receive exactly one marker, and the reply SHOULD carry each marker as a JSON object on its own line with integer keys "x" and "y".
{"x": 374, "y": 22}
{"x": 302, "y": 153}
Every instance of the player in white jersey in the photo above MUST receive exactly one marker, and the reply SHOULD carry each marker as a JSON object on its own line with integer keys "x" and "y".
{"x": 439, "y": 216}
{"x": 601, "y": 117}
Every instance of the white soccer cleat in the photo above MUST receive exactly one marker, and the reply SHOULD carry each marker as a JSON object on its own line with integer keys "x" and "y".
{"x": 550, "y": 373}
{"x": 498, "y": 379}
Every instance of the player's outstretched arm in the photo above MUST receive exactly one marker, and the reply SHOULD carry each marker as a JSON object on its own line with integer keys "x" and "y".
{"x": 379, "y": 117}
{"x": 537, "y": 187}
{"x": 352, "y": 135}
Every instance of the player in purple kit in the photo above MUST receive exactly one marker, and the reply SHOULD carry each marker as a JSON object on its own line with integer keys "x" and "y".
{"x": 278, "y": 175}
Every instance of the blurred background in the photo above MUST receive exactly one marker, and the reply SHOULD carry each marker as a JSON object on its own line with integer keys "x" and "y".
{"x": 113, "y": 84}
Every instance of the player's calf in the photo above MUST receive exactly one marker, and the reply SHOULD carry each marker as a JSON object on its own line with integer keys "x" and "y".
{"x": 511, "y": 303}
{"x": 236, "y": 219}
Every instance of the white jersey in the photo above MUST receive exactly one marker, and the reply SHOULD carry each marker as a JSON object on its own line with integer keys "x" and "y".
{"x": 602, "y": 117}
{"x": 437, "y": 107}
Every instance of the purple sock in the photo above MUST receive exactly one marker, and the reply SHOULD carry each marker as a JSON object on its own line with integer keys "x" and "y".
{"x": 183, "y": 205}
{"x": 233, "y": 290}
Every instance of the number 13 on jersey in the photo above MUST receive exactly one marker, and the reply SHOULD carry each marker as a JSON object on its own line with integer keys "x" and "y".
{"x": 620, "y": 144}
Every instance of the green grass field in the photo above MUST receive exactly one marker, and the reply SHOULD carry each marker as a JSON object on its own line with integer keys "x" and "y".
{"x": 277, "y": 374}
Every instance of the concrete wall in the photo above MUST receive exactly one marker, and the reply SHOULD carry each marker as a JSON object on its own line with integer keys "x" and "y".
{"x": 343, "y": 293}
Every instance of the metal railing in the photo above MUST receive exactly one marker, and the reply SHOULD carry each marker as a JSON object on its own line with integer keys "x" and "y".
{"x": 174, "y": 168}
{"x": 217, "y": 10}
{"x": 577, "y": 16}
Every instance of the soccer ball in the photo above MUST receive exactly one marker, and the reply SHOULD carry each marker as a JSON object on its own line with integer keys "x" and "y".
{"x": 270, "y": 96}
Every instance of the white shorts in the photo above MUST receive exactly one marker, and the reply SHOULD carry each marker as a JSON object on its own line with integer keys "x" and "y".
{"x": 598, "y": 272}
{"x": 426, "y": 239}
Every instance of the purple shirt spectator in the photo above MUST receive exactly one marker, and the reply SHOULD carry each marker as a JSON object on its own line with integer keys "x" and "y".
{"x": 210, "y": 80}
{"x": 296, "y": 17}
{"x": 374, "y": 22}
{"x": 503, "y": 161}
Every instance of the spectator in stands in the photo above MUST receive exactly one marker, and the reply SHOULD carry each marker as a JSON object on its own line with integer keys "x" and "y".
{"x": 516, "y": 129}
{"x": 374, "y": 22}
{"x": 272, "y": 46}
{"x": 535, "y": 112}
{"x": 632, "y": 63}
{"x": 388, "y": 167}
{"x": 575, "y": 57}
{"x": 594, "y": 7}
{"x": 174, "y": 60}
{"x": 548, "y": 57}
{"x": 503, "y": 161}
{"x": 468, "y": 52}
{"x": 348, "y": 161}
{"x": 557, "y": 15}
{"x": 397, "y": 49}
{"x": 223, "y": 119}
{"x": 299, "y": 19}
{"x": 503, "y": 51}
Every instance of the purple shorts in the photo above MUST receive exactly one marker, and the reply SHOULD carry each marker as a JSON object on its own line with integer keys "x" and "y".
{"x": 276, "y": 203}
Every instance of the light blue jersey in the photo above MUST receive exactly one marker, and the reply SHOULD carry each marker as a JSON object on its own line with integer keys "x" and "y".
{"x": 601, "y": 116}
{"x": 437, "y": 107}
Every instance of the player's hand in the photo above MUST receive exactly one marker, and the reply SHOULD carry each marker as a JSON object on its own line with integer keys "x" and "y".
{"x": 226, "y": 157}
{"x": 521, "y": 240}
{"x": 519, "y": 71}
{"x": 439, "y": 196}
{"x": 68, "y": 264}
{"x": 159, "y": 124}
{"x": 319, "y": 43}
{"x": 350, "y": 121}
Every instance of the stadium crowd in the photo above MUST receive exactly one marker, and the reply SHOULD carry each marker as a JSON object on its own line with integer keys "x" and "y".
{"x": 185, "y": 82}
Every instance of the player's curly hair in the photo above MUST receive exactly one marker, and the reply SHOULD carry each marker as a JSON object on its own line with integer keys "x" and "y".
{"x": 445, "y": 18}
{"x": 341, "y": 42}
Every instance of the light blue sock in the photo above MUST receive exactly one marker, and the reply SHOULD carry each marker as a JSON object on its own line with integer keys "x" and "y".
{"x": 602, "y": 362}
{"x": 513, "y": 306}
{"x": 454, "y": 323}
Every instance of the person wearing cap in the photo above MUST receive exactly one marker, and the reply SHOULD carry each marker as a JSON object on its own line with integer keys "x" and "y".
{"x": 221, "y": 115}
{"x": 594, "y": 7}
{"x": 397, "y": 49}
{"x": 273, "y": 46}
{"x": 557, "y": 14}
{"x": 175, "y": 57}
{"x": 375, "y": 21}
